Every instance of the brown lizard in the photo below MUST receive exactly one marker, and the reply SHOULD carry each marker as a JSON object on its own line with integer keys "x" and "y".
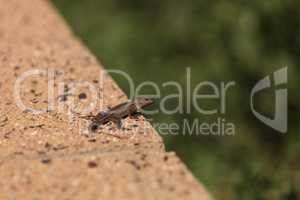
{"x": 119, "y": 112}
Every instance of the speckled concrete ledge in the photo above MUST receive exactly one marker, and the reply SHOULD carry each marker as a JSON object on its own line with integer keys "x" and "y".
{"x": 49, "y": 155}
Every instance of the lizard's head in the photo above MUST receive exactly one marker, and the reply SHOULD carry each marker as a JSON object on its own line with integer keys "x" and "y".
{"x": 143, "y": 102}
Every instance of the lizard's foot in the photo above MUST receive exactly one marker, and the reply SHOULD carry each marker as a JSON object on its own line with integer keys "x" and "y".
{"x": 94, "y": 127}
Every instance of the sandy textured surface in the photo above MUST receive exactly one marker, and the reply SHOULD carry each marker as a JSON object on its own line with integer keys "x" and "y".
{"x": 51, "y": 155}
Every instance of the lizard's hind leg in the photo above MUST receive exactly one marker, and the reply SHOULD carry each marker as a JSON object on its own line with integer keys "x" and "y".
{"x": 94, "y": 127}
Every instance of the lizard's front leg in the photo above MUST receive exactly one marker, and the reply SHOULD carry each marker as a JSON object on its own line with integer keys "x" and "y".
{"x": 118, "y": 122}
{"x": 135, "y": 115}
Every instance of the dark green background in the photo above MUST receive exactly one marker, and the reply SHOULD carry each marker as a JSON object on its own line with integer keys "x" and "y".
{"x": 241, "y": 41}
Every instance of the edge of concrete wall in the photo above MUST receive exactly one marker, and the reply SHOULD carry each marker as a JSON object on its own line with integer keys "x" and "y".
{"x": 50, "y": 154}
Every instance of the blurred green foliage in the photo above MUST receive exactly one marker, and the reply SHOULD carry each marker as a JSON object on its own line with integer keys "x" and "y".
{"x": 238, "y": 40}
